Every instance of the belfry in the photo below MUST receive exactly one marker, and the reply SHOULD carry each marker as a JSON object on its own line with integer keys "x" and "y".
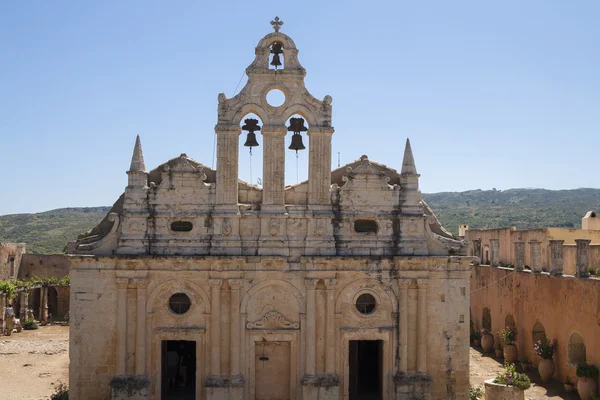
{"x": 198, "y": 285}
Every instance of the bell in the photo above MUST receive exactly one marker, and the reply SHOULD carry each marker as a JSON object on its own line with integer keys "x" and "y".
{"x": 276, "y": 50}
{"x": 251, "y": 140}
{"x": 276, "y": 62}
{"x": 297, "y": 125}
{"x": 296, "y": 142}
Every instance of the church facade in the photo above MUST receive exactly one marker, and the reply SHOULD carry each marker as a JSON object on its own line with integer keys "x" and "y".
{"x": 198, "y": 285}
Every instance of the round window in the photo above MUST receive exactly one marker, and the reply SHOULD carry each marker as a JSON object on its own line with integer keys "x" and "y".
{"x": 179, "y": 303}
{"x": 365, "y": 304}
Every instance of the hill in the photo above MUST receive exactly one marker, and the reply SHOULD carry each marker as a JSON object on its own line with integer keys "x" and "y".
{"x": 49, "y": 232}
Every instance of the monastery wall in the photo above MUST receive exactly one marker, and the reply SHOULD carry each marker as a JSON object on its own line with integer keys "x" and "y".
{"x": 562, "y": 306}
{"x": 50, "y": 265}
{"x": 10, "y": 259}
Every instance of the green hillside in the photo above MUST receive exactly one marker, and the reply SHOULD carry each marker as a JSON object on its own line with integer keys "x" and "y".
{"x": 49, "y": 232}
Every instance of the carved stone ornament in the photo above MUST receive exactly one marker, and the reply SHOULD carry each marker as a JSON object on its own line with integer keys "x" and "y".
{"x": 274, "y": 226}
{"x": 273, "y": 320}
{"x": 227, "y": 229}
{"x": 320, "y": 228}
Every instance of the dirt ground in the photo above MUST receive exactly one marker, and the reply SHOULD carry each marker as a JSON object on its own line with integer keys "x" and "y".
{"x": 484, "y": 367}
{"x": 32, "y": 363}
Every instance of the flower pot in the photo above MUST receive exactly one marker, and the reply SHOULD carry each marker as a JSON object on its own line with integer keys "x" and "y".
{"x": 499, "y": 353}
{"x": 8, "y": 332}
{"x": 487, "y": 343}
{"x": 585, "y": 388}
{"x": 568, "y": 387}
{"x": 496, "y": 391}
{"x": 477, "y": 342}
{"x": 510, "y": 353}
{"x": 546, "y": 369}
{"x": 19, "y": 328}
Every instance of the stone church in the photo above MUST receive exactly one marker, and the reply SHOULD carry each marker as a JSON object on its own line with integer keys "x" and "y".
{"x": 198, "y": 285}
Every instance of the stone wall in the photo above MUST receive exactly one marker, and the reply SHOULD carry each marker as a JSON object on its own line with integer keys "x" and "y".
{"x": 561, "y": 305}
{"x": 10, "y": 259}
{"x": 570, "y": 252}
{"x": 50, "y": 265}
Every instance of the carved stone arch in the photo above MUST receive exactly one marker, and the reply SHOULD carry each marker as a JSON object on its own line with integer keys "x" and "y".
{"x": 510, "y": 321}
{"x": 273, "y": 37}
{"x": 538, "y": 332}
{"x": 303, "y": 111}
{"x": 383, "y": 292}
{"x": 269, "y": 283}
{"x": 250, "y": 108}
{"x": 576, "y": 351}
{"x": 170, "y": 287}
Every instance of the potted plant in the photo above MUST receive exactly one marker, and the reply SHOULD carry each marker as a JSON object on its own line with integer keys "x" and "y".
{"x": 487, "y": 341}
{"x": 586, "y": 385}
{"x": 545, "y": 349}
{"x": 568, "y": 385}
{"x": 29, "y": 314}
{"x": 509, "y": 384}
{"x": 499, "y": 351}
{"x": 476, "y": 336}
{"x": 509, "y": 337}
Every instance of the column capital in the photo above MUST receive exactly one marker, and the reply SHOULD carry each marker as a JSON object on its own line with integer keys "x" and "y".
{"x": 122, "y": 283}
{"x": 404, "y": 283}
{"x": 235, "y": 284}
{"x": 533, "y": 241}
{"x": 582, "y": 241}
{"x": 422, "y": 283}
{"x": 556, "y": 241}
{"x": 330, "y": 283}
{"x": 139, "y": 283}
{"x": 311, "y": 284}
{"x": 215, "y": 283}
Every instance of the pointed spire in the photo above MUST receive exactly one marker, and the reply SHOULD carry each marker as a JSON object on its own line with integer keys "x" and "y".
{"x": 408, "y": 164}
{"x": 137, "y": 160}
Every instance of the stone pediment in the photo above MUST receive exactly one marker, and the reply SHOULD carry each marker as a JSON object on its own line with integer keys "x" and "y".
{"x": 181, "y": 164}
{"x": 365, "y": 176}
{"x": 273, "y": 320}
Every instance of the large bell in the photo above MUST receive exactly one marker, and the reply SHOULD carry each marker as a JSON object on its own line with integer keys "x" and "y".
{"x": 251, "y": 140}
{"x": 276, "y": 50}
{"x": 251, "y": 125}
{"x": 297, "y": 142}
{"x": 276, "y": 62}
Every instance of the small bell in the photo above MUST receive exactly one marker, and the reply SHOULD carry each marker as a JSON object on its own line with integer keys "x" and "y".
{"x": 276, "y": 50}
{"x": 251, "y": 125}
{"x": 297, "y": 126}
{"x": 297, "y": 143}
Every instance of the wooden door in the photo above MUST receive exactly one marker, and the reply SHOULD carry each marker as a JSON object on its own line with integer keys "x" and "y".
{"x": 272, "y": 373}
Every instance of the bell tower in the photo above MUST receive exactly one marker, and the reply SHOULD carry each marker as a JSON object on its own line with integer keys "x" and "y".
{"x": 283, "y": 73}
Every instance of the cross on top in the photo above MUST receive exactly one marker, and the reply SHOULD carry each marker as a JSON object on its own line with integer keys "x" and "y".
{"x": 276, "y": 24}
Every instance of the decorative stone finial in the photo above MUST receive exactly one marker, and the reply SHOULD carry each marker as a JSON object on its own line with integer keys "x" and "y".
{"x": 408, "y": 164}
{"x": 137, "y": 160}
{"x": 276, "y": 24}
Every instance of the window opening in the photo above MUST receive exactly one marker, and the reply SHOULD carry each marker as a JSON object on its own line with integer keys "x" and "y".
{"x": 365, "y": 226}
{"x": 275, "y": 98}
{"x": 179, "y": 303}
{"x": 365, "y": 304}
{"x": 182, "y": 226}
{"x": 576, "y": 351}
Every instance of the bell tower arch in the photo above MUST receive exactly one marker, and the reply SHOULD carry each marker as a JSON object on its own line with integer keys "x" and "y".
{"x": 274, "y": 50}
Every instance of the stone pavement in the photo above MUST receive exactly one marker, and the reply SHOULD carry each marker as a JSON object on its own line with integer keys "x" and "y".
{"x": 485, "y": 366}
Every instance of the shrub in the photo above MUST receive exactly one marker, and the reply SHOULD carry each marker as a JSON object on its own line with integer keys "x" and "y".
{"x": 475, "y": 392}
{"x": 61, "y": 393}
{"x": 511, "y": 377}
{"x": 545, "y": 348}
{"x": 592, "y": 271}
{"x": 30, "y": 325}
{"x": 587, "y": 371}
{"x": 508, "y": 335}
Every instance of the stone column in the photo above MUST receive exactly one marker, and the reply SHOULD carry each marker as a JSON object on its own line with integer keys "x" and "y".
{"x": 2, "y": 311}
{"x": 215, "y": 326}
{"x": 556, "y": 257}
{"x": 44, "y": 304}
{"x": 122, "y": 284}
{"x": 583, "y": 258}
{"x": 330, "y": 328}
{"x": 274, "y": 165}
{"x": 140, "y": 330}
{"x": 311, "y": 331}
{"x": 535, "y": 248}
{"x": 41, "y": 313}
{"x": 234, "y": 344}
{"x": 422, "y": 326}
{"x": 494, "y": 252}
{"x": 519, "y": 256}
{"x": 319, "y": 164}
{"x": 227, "y": 163}
{"x": 404, "y": 284}
{"x": 477, "y": 250}
{"x": 24, "y": 302}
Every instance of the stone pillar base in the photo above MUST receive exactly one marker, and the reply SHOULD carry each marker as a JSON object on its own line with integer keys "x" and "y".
{"x": 224, "y": 387}
{"x": 412, "y": 387}
{"x": 124, "y": 387}
{"x": 321, "y": 387}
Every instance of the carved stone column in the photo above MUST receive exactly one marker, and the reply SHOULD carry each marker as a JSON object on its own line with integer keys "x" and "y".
{"x": 519, "y": 256}
{"x": 422, "y": 326}
{"x": 494, "y": 252}
{"x": 535, "y": 248}
{"x": 319, "y": 164}
{"x": 215, "y": 326}
{"x": 234, "y": 351}
{"x": 330, "y": 328}
{"x": 583, "y": 258}
{"x": 556, "y": 257}
{"x": 227, "y": 163}
{"x": 404, "y": 284}
{"x": 477, "y": 250}
{"x": 122, "y": 284}
{"x": 310, "y": 328}
{"x": 24, "y": 302}
{"x": 44, "y": 303}
{"x": 140, "y": 329}
{"x": 274, "y": 165}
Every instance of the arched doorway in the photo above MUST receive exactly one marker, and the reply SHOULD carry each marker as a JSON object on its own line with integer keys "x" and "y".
{"x": 576, "y": 350}
{"x": 52, "y": 303}
{"x": 510, "y": 321}
{"x": 538, "y": 333}
{"x": 486, "y": 320}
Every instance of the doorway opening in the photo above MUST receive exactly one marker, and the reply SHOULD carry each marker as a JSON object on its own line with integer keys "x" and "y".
{"x": 178, "y": 370}
{"x": 366, "y": 370}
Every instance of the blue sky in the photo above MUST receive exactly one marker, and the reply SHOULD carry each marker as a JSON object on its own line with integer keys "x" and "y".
{"x": 492, "y": 94}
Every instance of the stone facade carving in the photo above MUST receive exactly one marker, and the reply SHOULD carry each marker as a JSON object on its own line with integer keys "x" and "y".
{"x": 267, "y": 283}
